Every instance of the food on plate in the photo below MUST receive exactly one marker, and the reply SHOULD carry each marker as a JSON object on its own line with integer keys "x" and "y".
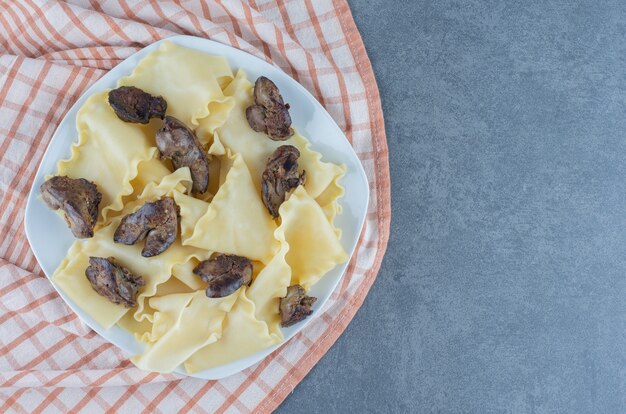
{"x": 156, "y": 222}
{"x": 134, "y": 105}
{"x": 224, "y": 274}
{"x": 178, "y": 143}
{"x": 254, "y": 235}
{"x": 280, "y": 177}
{"x": 113, "y": 281}
{"x": 269, "y": 114}
{"x": 296, "y": 306}
{"x": 79, "y": 200}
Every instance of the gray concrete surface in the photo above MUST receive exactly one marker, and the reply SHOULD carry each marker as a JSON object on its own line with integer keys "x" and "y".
{"x": 504, "y": 285}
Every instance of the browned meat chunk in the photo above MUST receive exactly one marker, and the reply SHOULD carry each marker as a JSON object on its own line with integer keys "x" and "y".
{"x": 113, "y": 281}
{"x": 280, "y": 177}
{"x": 78, "y": 198}
{"x": 157, "y": 222}
{"x": 134, "y": 105}
{"x": 255, "y": 114}
{"x": 270, "y": 114}
{"x": 225, "y": 273}
{"x": 178, "y": 143}
{"x": 296, "y": 306}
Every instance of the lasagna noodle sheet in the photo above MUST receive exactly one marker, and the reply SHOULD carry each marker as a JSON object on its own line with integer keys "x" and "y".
{"x": 314, "y": 247}
{"x": 191, "y": 210}
{"x": 183, "y": 323}
{"x": 236, "y": 221}
{"x": 188, "y": 79}
{"x": 269, "y": 286}
{"x": 243, "y": 334}
{"x": 143, "y": 329}
{"x": 149, "y": 171}
{"x": 218, "y": 113}
{"x": 184, "y": 273}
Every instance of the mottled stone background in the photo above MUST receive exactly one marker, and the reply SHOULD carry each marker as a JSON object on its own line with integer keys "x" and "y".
{"x": 504, "y": 285}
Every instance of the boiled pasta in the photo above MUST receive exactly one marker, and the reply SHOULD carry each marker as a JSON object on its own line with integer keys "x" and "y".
{"x": 174, "y": 319}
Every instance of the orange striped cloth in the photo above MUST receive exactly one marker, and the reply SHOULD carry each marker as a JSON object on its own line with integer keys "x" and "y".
{"x": 50, "y": 52}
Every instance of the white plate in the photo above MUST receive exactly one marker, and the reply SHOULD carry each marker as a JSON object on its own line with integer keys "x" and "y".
{"x": 50, "y": 238}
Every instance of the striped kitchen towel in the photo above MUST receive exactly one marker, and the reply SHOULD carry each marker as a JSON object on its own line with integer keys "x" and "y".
{"x": 50, "y": 52}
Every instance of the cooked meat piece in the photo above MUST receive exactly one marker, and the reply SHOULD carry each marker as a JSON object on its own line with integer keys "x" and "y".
{"x": 296, "y": 306}
{"x": 266, "y": 93}
{"x": 78, "y": 198}
{"x": 270, "y": 114}
{"x": 178, "y": 143}
{"x": 225, "y": 273}
{"x": 278, "y": 123}
{"x": 280, "y": 177}
{"x": 255, "y": 114}
{"x": 113, "y": 281}
{"x": 157, "y": 222}
{"x": 134, "y": 105}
